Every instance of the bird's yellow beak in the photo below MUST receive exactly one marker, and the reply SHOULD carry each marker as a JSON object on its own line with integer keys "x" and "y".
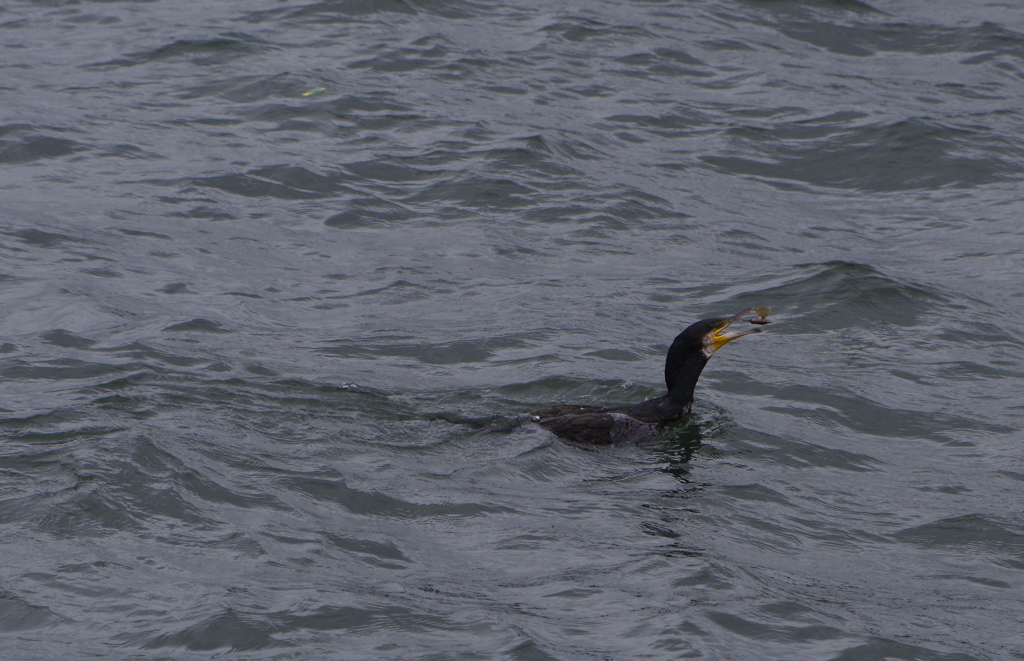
{"x": 721, "y": 338}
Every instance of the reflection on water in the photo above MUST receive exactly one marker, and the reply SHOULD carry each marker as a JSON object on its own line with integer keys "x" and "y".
{"x": 254, "y": 261}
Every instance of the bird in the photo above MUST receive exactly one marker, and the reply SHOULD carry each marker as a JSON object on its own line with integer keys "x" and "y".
{"x": 646, "y": 421}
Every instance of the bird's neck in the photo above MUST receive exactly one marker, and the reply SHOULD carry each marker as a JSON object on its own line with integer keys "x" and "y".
{"x": 681, "y": 377}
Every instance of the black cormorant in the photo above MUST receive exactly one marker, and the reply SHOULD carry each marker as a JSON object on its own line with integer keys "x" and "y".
{"x": 687, "y": 356}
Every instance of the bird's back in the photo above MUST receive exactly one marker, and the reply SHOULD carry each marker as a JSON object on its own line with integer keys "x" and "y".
{"x": 597, "y": 425}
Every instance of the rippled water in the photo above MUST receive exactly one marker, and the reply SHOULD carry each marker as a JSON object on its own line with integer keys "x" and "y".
{"x": 252, "y": 250}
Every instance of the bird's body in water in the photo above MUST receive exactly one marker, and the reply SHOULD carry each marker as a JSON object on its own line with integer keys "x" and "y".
{"x": 689, "y": 353}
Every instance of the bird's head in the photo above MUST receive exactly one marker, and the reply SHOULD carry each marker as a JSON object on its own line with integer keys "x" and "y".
{"x": 694, "y": 346}
{"x": 713, "y": 333}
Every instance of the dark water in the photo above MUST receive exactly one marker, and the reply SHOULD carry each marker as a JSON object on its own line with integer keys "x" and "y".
{"x": 250, "y": 249}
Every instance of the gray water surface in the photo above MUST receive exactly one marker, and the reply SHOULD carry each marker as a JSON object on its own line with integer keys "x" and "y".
{"x": 252, "y": 251}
